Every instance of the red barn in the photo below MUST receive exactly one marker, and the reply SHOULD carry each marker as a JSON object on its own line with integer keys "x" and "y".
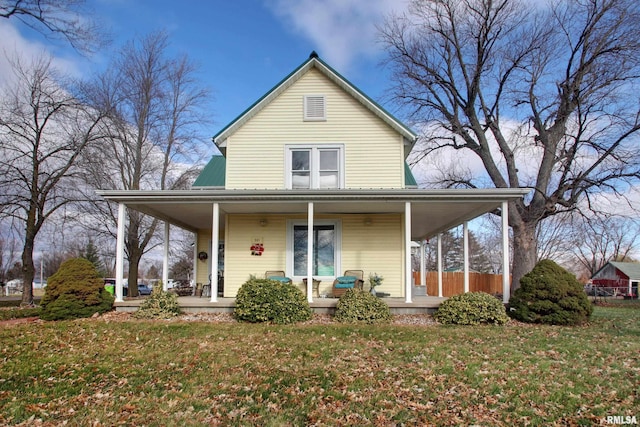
{"x": 622, "y": 277}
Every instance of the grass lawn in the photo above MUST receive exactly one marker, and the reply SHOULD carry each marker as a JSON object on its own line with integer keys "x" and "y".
{"x": 97, "y": 372}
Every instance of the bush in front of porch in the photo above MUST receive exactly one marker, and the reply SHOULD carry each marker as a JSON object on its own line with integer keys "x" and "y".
{"x": 265, "y": 300}
{"x": 357, "y": 306}
{"x": 472, "y": 308}
{"x": 159, "y": 305}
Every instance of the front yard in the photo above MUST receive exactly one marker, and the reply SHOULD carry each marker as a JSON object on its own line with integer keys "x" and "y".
{"x": 107, "y": 371}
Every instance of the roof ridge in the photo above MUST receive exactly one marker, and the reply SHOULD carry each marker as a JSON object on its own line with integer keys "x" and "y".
{"x": 315, "y": 61}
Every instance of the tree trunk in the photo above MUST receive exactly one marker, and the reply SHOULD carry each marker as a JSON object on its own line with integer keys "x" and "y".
{"x": 134, "y": 261}
{"x": 28, "y": 271}
{"x": 525, "y": 251}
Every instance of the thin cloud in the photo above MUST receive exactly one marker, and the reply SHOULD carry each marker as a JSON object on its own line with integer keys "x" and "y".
{"x": 14, "y": 44}
{"x": 342, "y": 30}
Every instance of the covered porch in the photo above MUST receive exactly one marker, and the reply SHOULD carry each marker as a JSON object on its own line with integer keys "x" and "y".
{"x": 424, "y": 214}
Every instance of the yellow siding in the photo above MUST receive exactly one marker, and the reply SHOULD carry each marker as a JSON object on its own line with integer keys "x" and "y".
{"x": 239, "y": 263}
{"x": 202, "y": 267}
{"x": 375, "y": 247}
{"x": 256, "y": 152}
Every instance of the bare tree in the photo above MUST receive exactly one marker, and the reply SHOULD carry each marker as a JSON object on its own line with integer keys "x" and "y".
{"x": 8, "y": 253}
{"x": 182, "y": 267}
{"x": 554, "y": 238}
{"x": 66, "y": 19}
{"x": 452, "y": 253}
{"x": 603, "y": 239}
{"x": 539, "y": 93}
{"x": 151, "y": 141}
{"x": 43, "y": 131}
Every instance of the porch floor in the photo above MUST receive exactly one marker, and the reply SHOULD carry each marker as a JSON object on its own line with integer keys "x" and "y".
{"x": 419, "y": 305}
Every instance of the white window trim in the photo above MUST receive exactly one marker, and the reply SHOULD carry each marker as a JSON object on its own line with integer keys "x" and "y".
{"x": 314, "y": 173}
{"x": 337, "y": 225}
{"x": 220, "y": 245}
{"x": 306, "y": 116}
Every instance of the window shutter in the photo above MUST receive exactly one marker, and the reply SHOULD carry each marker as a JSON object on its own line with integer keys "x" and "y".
{"x": 314, "y": 107}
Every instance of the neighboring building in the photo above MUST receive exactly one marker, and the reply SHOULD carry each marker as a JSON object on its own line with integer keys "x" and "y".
{"x": 39, "y": 285}
{"x": 619, "y": 277}
{"x": 312, "y": 156}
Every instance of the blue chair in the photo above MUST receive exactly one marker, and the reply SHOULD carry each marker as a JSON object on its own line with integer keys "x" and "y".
{"x": 277, "y": 275}
{"x": 352, "y": 279}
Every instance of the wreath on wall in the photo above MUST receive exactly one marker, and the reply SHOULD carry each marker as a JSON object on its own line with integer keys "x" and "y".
{"x": 202, "y": 256}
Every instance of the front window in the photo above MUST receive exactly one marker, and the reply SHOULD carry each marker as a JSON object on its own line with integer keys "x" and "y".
{"x": 311, "y": 167}
{"x": 301, "y": 169}
{"x": 325, "y": 248}
{"x": 328, "y": 171}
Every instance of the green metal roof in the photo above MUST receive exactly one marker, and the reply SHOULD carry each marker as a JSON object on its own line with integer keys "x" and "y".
{"x": 409, "y": 179}
{"x": 213, "y": 174}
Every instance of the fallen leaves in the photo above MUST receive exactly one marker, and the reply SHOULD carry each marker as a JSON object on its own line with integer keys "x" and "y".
{"x": 214, "y": 371}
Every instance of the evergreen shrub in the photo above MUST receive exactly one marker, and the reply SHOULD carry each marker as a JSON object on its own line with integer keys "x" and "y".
{"x": 550, "y": 294}
{"x": 472, "y": 308}
{"x": 357, "y": 306}
{"x": 75, "y": 290}
{"x": 159, "y": 305}
{"x": 264, "y": 300}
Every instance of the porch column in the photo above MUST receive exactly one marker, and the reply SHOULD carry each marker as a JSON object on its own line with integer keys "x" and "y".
{"x": 630, "y": 287}
{"x": 165, "y": 258}
{"x": 423, "y": 265}
{"x": 506, "y": 288}
{"x": 440, "y": 265}
{"x": 195, "y": 257}
{"x": 465, "y": 251}
{"x": 407, "y": 251}
{"x": 310, "y": 251}
{"x": 120, "y": 252}
{"x": 215, "y": 234}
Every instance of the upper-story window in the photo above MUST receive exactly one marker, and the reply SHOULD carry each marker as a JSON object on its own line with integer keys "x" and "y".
{"x": 315, "y": 108}
{"x": 315, "y": 166}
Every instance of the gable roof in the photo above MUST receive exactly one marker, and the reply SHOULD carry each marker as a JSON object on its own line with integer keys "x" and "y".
{"x": 314, "y": 62}
{"x": 630, "y": 269}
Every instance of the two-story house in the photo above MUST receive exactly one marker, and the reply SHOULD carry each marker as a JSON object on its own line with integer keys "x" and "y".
{"x": 312, "y": 181}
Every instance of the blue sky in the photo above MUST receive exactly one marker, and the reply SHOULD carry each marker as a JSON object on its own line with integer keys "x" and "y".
{"x": 243, "y": 47}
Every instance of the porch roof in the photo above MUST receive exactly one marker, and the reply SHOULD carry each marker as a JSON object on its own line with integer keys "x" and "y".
{"x": 432, "y": 211}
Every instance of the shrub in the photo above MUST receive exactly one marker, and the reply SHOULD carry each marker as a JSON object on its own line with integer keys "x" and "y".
{"x": 472, "y": 308}
{"x": 357, "y": 306}
{"x": 550, "y": 294}
{"x": 264, "y": 300}
{"x": 159, "y": 305}
{"x": 75, "y": 290}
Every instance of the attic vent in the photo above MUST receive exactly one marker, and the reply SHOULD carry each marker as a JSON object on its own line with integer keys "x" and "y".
{"x": 314, "y": 107}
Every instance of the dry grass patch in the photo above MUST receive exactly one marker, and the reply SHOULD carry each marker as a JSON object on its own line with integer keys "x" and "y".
{"x": 115, "y": 370}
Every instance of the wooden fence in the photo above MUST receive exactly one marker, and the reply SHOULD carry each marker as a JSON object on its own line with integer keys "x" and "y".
{"x": 453, "y": 283}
